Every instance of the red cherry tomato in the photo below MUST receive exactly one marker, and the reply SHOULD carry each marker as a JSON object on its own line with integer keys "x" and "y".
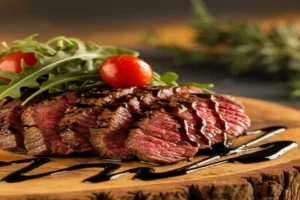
{"x": 12, "y": 61}
{"x": 125, "y": 71}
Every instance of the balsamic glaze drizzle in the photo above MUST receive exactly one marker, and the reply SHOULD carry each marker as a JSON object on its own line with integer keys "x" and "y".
{"x": 200, "y": 122}
{"x": 183, "y": 129}
{"x": 261, "y": 153}
{"x": 224, "y": 124}
{"x": 175, "y": 108}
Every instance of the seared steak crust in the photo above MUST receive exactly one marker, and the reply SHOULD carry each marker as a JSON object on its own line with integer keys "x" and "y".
{"x": 11, "y": 128}
{"x": 156, "y": 124}
{"x": 108, "y": 138}
{"x": 41, "y": 133}
{"x": 80, "y": 117}
{"x": 11, "y": 137}
{"x": 176, "y": 130}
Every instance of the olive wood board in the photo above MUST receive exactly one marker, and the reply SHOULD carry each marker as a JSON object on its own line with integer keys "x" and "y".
{"x": 275, "y": 179}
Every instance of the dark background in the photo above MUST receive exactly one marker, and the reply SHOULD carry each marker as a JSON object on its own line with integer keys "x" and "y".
{"x": 101, "y": 12}
{"x": 81, "y": 17}
{"x": 117, "y": 22}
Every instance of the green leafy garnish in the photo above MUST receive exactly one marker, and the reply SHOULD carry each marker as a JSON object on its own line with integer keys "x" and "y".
{"x": 64, "y": 64}
{"x": 55, "y": 81}
{"x": 169, "y": 78}
{"x": 28, "y": 77}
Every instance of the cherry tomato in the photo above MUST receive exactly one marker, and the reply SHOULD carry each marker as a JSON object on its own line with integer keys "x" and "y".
{"x": 12, "y": 61}
{"x": 125, "y": 71}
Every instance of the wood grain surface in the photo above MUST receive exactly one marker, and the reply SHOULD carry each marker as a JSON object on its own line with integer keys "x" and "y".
{"x": 276, "y": 179}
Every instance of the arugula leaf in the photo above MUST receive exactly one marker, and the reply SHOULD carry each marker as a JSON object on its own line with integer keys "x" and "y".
{"x": 169, "y": 78}
{"x": 29, "y": 75}
{"x": 28, "y": 45}
{"x": 110, "y": 50}
{"x": 65, "y": 64}
{"x": 88, "y": 84}
{"x": 209, "y": 85}
{"x": 156, "y": 80}
{"x": 56, "y": 80}
{"x": 69, "y": 59}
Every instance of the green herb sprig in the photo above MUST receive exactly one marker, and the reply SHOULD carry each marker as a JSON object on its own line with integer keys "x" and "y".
{"x": 241, "y": 46}
{"x": 64, "y": 64}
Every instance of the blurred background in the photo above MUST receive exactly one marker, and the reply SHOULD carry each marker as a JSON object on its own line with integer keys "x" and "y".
{"x": 122, "y": 23}
{"x": 117, "y": 22}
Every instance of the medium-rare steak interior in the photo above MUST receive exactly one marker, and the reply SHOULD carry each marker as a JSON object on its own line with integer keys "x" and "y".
{"x": 156, "y": 124}
{"x": 109, "y": 137}
{"x": 11, "y": 132}
{"x": 175, "y": 130}
{"x": 41, "y": 133}
{"x": 11, "y": 127}
{"x": 81, "y": 116}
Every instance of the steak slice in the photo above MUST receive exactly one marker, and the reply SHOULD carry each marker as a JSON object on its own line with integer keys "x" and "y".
{"x": 108, "y": 138}
{"x": 41, "y": 133}
{"x": 11, "y": 128}
{"x": 177, "y": 129}
{"x": 80, "y": 117}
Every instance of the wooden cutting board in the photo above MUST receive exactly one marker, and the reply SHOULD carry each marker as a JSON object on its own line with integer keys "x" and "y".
{"x": 276, "y": 179}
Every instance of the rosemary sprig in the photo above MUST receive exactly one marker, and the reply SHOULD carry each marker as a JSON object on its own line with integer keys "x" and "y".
{"x": 243, "y": 46}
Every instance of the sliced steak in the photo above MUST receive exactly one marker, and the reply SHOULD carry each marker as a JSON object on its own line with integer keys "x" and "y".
{"x": 108, "y": 138}
{"x": 41, "y": 133}
{"x": 11, "y": 128}
{"x": 80, "y": 117}
{"x": 176, "y": 130}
